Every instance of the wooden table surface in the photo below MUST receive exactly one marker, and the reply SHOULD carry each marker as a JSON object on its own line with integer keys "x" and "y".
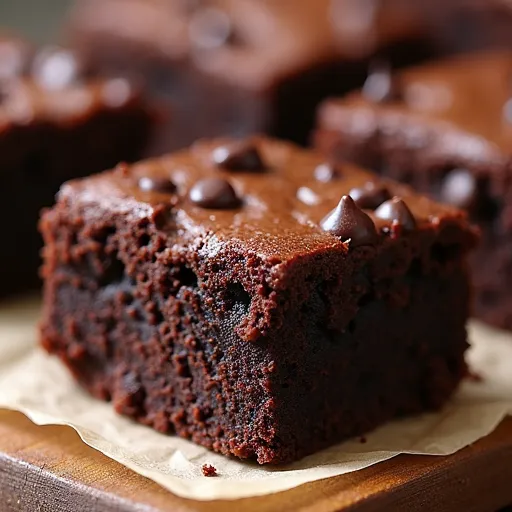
{"x": 49, "y": 469}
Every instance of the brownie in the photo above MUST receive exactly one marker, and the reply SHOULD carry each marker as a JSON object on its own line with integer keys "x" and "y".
{"x": 468, "y": 25}
{"x": 446, "y": 129}
{"x": 236, "y": 295}
{"x": 55, "y": 124}
{"x": 236, "y": 67}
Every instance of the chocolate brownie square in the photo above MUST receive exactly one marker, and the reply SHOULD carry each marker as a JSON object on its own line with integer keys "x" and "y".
{"x": 446, "y": 129}
{"x": 55, "y": 124}
{"x": 236, "y": 67}
{"x": 252, "y": 298}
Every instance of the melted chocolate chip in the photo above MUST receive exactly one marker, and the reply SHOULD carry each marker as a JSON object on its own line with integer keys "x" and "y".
{"x": 348, "y": 222}
{"x": 370, "y": 196}
{"x": 459, "y": 188}
{"x": 326, "y": 173}
{"x": 396, "y": 211}
{"x": 56, "y": 68}
{"x": 241, "y": 156}
{"x": 381, "y": 86}
{"x": 214, "y": 193}
{"x": 154, "y": 184}
{"x": 210, "y": 28}
{"x": 14, "y": 58}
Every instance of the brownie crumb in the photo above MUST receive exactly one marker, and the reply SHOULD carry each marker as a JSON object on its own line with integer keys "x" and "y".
{"x": 209, "y": 470}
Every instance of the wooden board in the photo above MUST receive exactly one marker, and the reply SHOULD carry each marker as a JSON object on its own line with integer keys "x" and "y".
{"x": 49, "y": 469}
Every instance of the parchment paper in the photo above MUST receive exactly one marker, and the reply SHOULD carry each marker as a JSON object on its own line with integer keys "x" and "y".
{"x": 38, "y": 386}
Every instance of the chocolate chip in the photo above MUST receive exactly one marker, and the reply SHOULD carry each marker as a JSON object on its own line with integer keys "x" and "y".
{"x": 209, "y": 28}
{"x": 214, "y": 193}
{"x": 381, "y": 86}
{"x": 348, "y": 222}
{"x": 56, "y": 68}
{"x": 14, "y": 58}
{"x": 396, "y": 211}
{"x": 239, "y": 156}
{"x": 370, "y": 196}
{"x": 459, "y": 188}
{"x": 156, "y": 184}
{"x": 326, "y": 173}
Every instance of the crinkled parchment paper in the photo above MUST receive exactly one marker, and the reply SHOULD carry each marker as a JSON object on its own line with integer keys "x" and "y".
{"x": 37, "y": 385}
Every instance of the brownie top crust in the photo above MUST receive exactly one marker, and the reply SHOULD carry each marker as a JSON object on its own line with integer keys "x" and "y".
{"x": 251, "y": 43}
{"x": 267, "y": 197}
{"x": 460, "y": 108}
{"x": 52, "y": 84}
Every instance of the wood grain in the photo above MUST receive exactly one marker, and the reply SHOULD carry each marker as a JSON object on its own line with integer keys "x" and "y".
{"x": 50, "y": 469}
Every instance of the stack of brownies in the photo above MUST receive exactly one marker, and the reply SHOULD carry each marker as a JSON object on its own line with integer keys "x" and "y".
{"x": 262, "y": 299}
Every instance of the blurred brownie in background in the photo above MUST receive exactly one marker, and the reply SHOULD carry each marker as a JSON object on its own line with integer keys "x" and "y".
{"x": 235, "y": 67}
{"x": 445, "y": 128}
{"x": 56, "y": 123}
{"x": 466, "y": 25}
